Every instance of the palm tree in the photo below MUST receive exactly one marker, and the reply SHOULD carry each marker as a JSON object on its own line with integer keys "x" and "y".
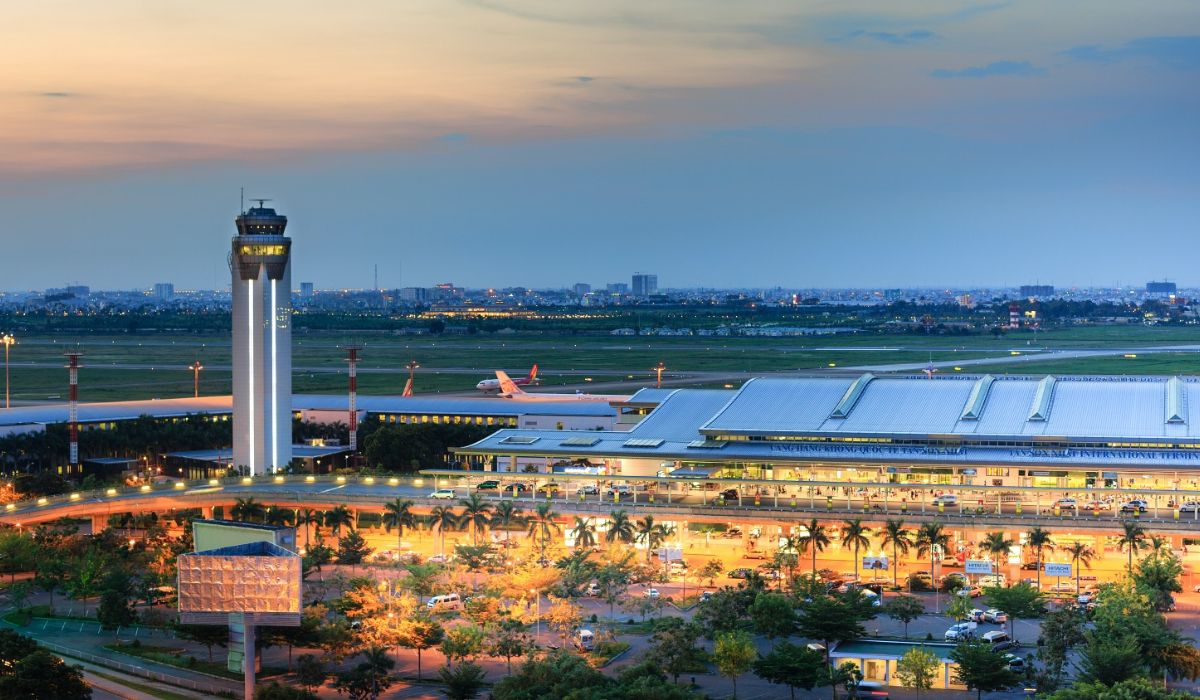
{"x": 620, "y": 528}
{"x": 995, "y": 545}
{"x": 584, "y": 532}
{"x": 542, "y": 525}
{"x": 398, "y": 514}
{"x": 307, "y": 517}
{"x": 278, "y": 516}
{"x": 815, "y": 539}
{"x": 1133, "y": 538}
{"x": 247, "y": 510}
{"x": 1081, "y": 555}
{"x": 900, "y": 540}
{"x": 1038, "y": 539}
{"x": 338, "y": 518}
{"x": 930, "y": 538}
{"x": 377, "y": 663}
{"x": 476, "y": 515}
{"x": 854, "y": 535}
{"x": 442, "y": 518}
{"x": 652, "y": 533}
{"x": 505, "y": 514}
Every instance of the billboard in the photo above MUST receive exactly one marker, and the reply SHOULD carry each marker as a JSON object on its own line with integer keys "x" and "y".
{"x": 256, "y": 578}
{"x": 213, "y": 534}
{"x": 977, "y": 566}
{"x": 1056, "y": 570}
{"x": 876, "y": 563}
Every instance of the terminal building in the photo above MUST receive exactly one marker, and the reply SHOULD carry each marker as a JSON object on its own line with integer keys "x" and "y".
{"x": 1079, "y": 432}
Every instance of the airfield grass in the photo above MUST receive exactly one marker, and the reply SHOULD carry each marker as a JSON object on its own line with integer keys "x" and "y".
{"x": 162, "y": 359}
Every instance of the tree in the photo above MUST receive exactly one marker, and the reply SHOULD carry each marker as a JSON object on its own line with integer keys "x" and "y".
{"x": 275, "y": 691}
{"x": 476, "y": 516}
{"x": 353, "y": 549}
{"x": 462, "y": 682}
{"x": 543, "y": 525}
{"x": 584, "y": 533}
{"x": 620, "y": 527}
{"x": 248, "y": 510}
{"x": 649, "y": 533}
{"x": 116, "y": 605}
{"x": 733, "y": 653}
{"x": 1157, "y": 576}
{"x": 773, "y": 615}
{"x": 398, "y": 515}
{"x": 420, "y": 633}
{"x": 462, "y": 642}
{"x": 854, "y": 536}
{"x": 442, "y": 518}
{"x": 711, "y": 570}
{"x": 1133, "y": 689}
{"x": 997, "y": 547}
{"x": 792, "y": 665}
{"x": 369, "y": 679}
{"x": 894, "y": 535}
{"x": 959, "y": 608}
{"x": 815, "y": 539}
{"x": 613, "y": 581}
{"x": 1081, "y": 556}
{"x": 1038, "y": 539}
{"x": 13, "y": 648}
{"x": 278, "y": 516}
{"x": 51, "y": 574}
{"x": 725, "y": 611}
{"x": 1020, "y": 601}
{"x": 338, "y": 518}
{"x": 306, "y": 517}
{"x": 18, "y": 594}
{"x": 563, "y": 617}
{"x": 832, "y": 619}
{"x": 1110, "y": 660}
{"x": 310, "y": 671}
{"x": 558, "y": 675}
{"x": 508, "y": 639}
{"x": 905, "y": 609}
{"x": 505, "y": 515}
{"x": 1062, "y": 631}
{"x": 1133, "y": 538}
{"x": 674, "y": 647}
{"x": 981, "y": 669}
{"x": 917, "y": 669}
{"x": 42, "y": 675}
{"x": 931, "y": 540}
{"x": 208, "y": 636}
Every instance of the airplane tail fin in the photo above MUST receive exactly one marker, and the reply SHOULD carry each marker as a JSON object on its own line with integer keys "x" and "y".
{"x": 507, "y": 386}
{"x": 408, "y": 388}
{"x": 533, "y": 374}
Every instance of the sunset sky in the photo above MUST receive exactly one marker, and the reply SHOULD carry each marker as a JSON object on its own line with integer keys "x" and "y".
{"x": 543, "y": 142}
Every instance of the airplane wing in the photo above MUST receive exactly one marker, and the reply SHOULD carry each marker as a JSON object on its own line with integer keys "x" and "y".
{"x": 507, "y": 386}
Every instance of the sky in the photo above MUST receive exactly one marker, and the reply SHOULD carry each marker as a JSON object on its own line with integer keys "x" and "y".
{"x": 541, "y": 143}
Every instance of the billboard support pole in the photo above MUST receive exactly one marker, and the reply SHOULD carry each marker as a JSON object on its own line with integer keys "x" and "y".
{"x": 250, "y": 655}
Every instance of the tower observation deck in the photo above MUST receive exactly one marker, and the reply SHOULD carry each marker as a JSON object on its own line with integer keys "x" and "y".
{"x": 260, "y": 266}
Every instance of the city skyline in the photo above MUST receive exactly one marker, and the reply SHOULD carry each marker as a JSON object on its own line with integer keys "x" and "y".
{"x": 941, "y": 144}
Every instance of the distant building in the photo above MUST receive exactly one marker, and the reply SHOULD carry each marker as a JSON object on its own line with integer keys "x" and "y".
{"x": 414, "y": 295}
{"x": 644, "y": 284}
{"x": 164, "y": 291}
{"x": 617, "y": 288}
{"x": 1165, "y": 289}
{"x": 306, "y": 290}
{"x": 893, "y": 294}
{"x": 1037, "y": 290}
{"x": 580, "y": 289}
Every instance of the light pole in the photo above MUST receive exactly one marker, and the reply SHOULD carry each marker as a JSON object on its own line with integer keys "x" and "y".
{"x": 8, "y": 341}
{"x": 537, "y": 615}
{"x": 659, "y": 369}
{"x": 196, "y": 367}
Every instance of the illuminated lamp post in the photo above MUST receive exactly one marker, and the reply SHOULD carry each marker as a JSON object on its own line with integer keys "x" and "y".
{"x": 8, "y": 341}
{"x": 659, "y": 369}
{"x": 196, "y": 367}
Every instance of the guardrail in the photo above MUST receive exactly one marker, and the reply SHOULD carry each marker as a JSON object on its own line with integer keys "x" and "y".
{"x": 132, "y": 670}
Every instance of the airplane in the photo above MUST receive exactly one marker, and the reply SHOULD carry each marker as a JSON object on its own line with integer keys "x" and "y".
{"x": 490, "y": 385}
{"x": 408, "y": 390}
{"x": 510, "y": 390}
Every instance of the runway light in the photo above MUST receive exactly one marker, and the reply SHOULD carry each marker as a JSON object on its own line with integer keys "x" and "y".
{"x": 833, "y": 364}
{"x": 247, "y": 480}
{"x": 145, "y": 487}
{"x": 418, "y": 482}
{"x": 214, "y": 482}
{"x": 310, "y": 478}
{"x": 369, "y": 480}
{"x": 279, "y": 479}
{"x": 393, "y": 481}
{"x": 180, "y": 485}
{"x": 42, "y": 501}
{"x": 110, "y": 492}
{"x": 74, "y": 497}
{"x": 341, "y": 479}
{"x": 1130, "y": 356}
{"x": 10, "y": 506}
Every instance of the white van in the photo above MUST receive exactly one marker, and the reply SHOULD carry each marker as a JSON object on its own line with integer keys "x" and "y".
{"x": 585, "y": 640}
{"x": 620, "y": 490}
{"x": 996, "y": 636}
{"x": 449, "y": 601}
{"x": 946, "y": 499}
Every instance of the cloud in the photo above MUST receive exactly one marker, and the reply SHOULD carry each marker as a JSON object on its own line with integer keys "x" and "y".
{"x": 897, "y": 39}
{"x": 454, "y": 138}
{"x": 57, "y": 94}
{"x": 584, "y": 78}
{"x": 996, "y": 69}
{"x": 1182, "y": 52}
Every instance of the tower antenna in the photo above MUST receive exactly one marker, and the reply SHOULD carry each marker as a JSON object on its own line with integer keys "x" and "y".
{"x": 242, "y": 199}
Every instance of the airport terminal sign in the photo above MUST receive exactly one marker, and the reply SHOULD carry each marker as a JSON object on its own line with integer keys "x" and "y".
{"x": 1057, "y": 570}
{"x": 977, "y": 566}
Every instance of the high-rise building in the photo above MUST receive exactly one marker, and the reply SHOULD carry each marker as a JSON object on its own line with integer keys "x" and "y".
{"x": 581, "y": 289}
{"x": 306, "y": 290}
{"x": 1037, "y": 290}
{"x": 164, "y": 291}
{"x": 644, "y": 284}
{"x": 617, "y": 288}
{"x": 262, "y": 341}
{"x": 1164, "y": 288}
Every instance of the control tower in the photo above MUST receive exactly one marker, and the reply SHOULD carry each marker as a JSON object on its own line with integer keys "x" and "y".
{"x": 260, "y": 263}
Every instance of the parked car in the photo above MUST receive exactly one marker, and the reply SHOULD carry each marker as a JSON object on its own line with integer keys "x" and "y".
{"x": 1097, "y": 505}
{"x": 1135, "y": 506}
{"x": 548, "y": 489}
{"x": 754, "y": 554}
{"x": 444, "y": 494}
{"x": 449, "y": 601}
{"x": 1015, "y": 663}
{"x": 729, "y": 494}
{"x": 589, "y": 489}
{"x": 975, "y": 615}
{"x": 946, "y": 499}
{"x": 651, "y": 593}
{"x": 996, "y": 636}
{"x": 592, "y": 590}
{"x": 740, "y": 572}
{"x": 620, "y": 491}
{"x": 1066, "y": 503}
{"x": 970, "y": 592}
{"x": 1063, "y": 587}
{"x": 1085, "y": 598}
{"x": 705, "y": 596}
{"x": 491, "y": 485}
{"x": 998, "y": 617}
{"x": 1190, "y": 507}
{"x": 1029, "y": 566}
{"x": 959, "y": 632}
{"x": 515, "y": 486}
{"x": 992, "y": 581}
{"x": 732, "y": 532}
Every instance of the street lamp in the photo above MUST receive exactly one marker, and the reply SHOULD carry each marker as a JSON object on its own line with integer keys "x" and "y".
{"x": 659, "y": 369}
{"x": 8, "y": 341}
{"x": 196, "y": 367}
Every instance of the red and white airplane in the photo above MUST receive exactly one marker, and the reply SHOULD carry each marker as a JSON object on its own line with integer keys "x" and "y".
{"x": 489, "y": 385}
{"x": 510, "y": 390}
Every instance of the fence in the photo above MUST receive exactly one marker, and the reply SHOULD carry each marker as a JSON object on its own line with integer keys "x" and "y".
{"x": 135, "y": 670}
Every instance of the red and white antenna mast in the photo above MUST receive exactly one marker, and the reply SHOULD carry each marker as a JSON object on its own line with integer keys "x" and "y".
{"x": 352, "y": 418}
{"x": 73, "y": 410}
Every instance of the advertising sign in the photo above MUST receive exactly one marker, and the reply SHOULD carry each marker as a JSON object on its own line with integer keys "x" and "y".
{"x": 875, "y": 563}
{"x": 977, "y": 566}
{"x": 1057, "y": 570}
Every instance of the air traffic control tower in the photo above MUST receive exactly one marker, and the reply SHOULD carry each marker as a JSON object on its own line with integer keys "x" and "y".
{"x": 260, "y": 263}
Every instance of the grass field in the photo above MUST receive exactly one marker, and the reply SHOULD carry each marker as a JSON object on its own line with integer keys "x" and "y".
{"x": 155, "y": 366}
